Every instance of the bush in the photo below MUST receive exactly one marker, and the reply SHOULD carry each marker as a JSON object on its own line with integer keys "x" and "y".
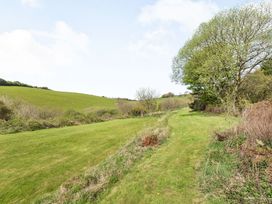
{"x": 214, "y": 109}
{"x": 168, "y": 95}
{"x": 198, "y": 105}
{"x": 35, "y": 125}
{"x": 124, "y": 107}
{"x": 138, "y": 110}
{"x": 5, "y": 112}
{"x": 172, "y": 104}
{"x": 257, "y": 87}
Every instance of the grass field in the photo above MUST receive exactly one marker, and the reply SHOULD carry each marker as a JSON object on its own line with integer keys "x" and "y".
{"x": 170, "y": 174}
{"x": 58, "y": 100}
{"x": 34, "y": 163}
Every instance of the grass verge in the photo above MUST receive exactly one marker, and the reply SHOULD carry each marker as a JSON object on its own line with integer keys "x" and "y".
{"x": 230, "y": 176}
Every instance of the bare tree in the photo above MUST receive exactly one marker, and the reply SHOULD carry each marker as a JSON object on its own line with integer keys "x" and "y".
{"x": 146, "y": 97}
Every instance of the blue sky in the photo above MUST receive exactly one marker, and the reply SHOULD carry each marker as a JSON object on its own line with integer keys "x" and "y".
{"x": 101, "y": 47}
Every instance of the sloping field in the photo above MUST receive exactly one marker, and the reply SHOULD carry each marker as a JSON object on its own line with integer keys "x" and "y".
{"x": 35, "y": 163}
{"x": 58, "y": 100}
{"x": 170, "y": 174}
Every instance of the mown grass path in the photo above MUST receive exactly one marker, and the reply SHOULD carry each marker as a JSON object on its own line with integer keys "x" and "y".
{"x": 35, "y": 163}
{"x": 170, "y": 174}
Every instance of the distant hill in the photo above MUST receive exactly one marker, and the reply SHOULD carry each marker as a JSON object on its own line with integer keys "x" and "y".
{"x": 58, "y": 100}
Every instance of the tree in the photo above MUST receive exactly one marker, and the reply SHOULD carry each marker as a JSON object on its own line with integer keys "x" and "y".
{"x": 147, "y": 97}
{"x": 267, "y": 67}
{"x": 223, "y": 51}
{"x": 257, "y": 87}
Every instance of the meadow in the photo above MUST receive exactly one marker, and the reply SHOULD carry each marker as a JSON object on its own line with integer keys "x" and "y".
{"x": 56, "y": 100}
{"x": 35, "y": 163}
{"x": 170, "y": 174}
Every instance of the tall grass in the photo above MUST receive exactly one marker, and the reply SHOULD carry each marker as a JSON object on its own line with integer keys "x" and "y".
{"x": 257, "y": 122}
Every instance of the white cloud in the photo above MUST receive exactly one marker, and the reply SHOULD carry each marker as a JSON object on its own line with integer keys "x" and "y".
{"x": 187, "y": 13}
{"x": 31, "y": 3}
{"x": 155, "y": 43}
{"x": 41, "y": 53}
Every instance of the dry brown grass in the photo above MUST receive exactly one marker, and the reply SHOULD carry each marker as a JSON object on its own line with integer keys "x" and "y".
{"x": 172, "y": 104}
{"x": 257, "y": 123}
{"x": 28, "y": 111}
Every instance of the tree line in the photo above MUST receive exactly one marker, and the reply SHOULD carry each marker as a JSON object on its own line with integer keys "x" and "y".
{"x": 17, "y": 83}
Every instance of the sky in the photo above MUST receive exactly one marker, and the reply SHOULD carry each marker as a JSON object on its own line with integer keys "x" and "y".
{"x": 102, "y": 47}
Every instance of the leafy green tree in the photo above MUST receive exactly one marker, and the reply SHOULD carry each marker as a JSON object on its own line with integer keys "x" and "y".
{"x": 257, "y": 87}
{"x": 215, "y": 61}
{"x": 267, "y": 67}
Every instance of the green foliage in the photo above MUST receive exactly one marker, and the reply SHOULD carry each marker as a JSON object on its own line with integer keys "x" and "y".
{"x": 267, "y": 67}
{"x": 217, "y": 169}
{"x": 224, "y": 50}
{"x": 257, "y": 87}
{"x": 229, "y": 178}
{"x": 138, "y": 110}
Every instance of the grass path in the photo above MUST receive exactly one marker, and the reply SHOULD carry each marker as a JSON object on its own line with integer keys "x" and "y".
{"x": 170, "y": 174}
{"x": 35, "y": 163}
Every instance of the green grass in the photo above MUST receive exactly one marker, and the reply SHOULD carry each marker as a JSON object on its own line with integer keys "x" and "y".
{"x": 58, "y": 100}
{"x": 170, "y": 174}
{"x": 35, "y": 163}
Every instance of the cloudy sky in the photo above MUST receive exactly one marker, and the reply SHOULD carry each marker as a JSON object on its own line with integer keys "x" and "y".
{"x": 101, "y": 47}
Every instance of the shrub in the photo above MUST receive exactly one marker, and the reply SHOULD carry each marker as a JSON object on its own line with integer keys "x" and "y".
{"x": 198, "y": 105}
{"x": 214, "y": 109}
{"x": 168, "y": 95}
{"x": 172, "y": 104}
{"x": 5, "y": 112}
{"x": 138, "y": 110}
{"x": 257, "y": 87}
{"x": 106, "y": 114}
{"x": 35, "y": 125}
{"x": 124, "y": 107}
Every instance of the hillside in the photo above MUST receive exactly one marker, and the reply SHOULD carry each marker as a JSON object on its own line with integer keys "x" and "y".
{"x": 58, "y": 100}
{"x": 35, "y": 163}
